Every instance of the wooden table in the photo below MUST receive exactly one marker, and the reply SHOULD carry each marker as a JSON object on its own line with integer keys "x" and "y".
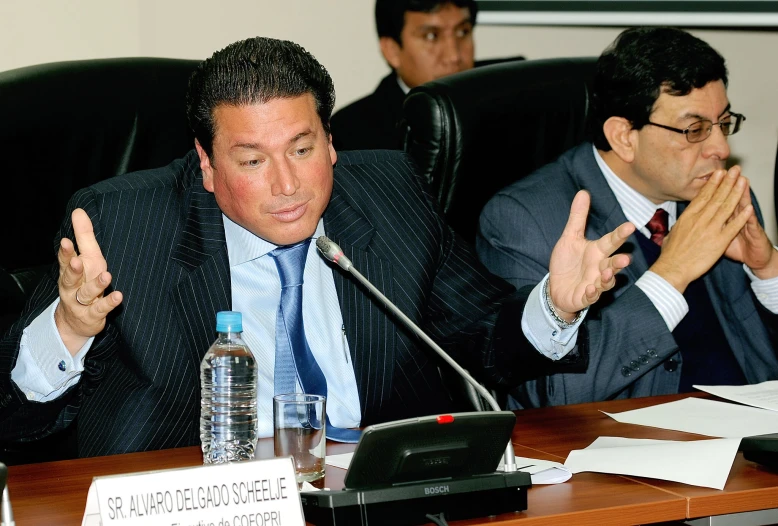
{"x": 54, "y": 493}
{"x": 559, "y": 430}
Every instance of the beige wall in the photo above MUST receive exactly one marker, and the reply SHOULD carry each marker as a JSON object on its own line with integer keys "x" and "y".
{"x": 35, "y": 31}
{"x": 341, "y": 35}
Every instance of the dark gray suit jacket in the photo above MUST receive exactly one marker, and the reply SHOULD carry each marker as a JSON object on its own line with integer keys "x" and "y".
{"x": 163, "y": 239}
{"x": 627, "y": 338}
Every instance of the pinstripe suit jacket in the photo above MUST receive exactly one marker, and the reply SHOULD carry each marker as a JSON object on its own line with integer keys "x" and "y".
{"x": 518, "y": 229}
{"x": 163, "y": 239}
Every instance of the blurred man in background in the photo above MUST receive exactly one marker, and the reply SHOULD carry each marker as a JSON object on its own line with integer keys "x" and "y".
{"x": 422, "y": 40}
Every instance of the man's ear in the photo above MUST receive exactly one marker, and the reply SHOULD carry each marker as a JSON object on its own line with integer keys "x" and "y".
{"x": 622, "y": 137}
{"x": 205, "y": 166}
{"x": 390, "y": 49}
{"x": 333, "y": 153}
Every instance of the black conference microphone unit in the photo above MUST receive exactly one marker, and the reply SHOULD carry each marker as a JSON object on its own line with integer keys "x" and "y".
{"x": 423, "y": 469}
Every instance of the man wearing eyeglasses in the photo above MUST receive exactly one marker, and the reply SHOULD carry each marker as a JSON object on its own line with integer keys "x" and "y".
{"x": 699, "y": 302}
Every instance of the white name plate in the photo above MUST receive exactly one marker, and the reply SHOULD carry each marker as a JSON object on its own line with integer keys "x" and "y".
{"x": 255, "y": 493}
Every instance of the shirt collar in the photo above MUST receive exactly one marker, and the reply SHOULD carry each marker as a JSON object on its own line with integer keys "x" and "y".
{"x": 243, "y": 246}
{"x": 637, "y": 208}
{"x": 403, "y": 85}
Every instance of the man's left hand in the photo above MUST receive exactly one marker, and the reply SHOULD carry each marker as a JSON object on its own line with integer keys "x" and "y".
{"x": 752, "y": 246}
{"x": 581, "y": 270}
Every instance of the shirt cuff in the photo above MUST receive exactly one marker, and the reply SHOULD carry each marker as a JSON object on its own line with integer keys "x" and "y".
{"x": 668, "y": 301}
{"x": 45, "y": 368}
{"x": 765, "y": 290}
{"x": 538, "y": 325}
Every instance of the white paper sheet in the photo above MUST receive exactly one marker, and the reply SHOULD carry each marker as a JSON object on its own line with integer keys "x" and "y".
{"x": 704, "y": 417}
{"x": 541, "y": 471}
{"x": 341, "y": 461}
{"x": 701, "y": 463}
{"x": 764, "y": 395}
{"x": 307, "y": 486}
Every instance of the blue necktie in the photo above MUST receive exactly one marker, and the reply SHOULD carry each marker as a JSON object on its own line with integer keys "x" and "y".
{"x": 294, "y": 360}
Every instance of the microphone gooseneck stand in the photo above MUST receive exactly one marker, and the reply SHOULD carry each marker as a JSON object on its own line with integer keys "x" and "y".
{"x": 7, "y": 513}
{"x": 332, "y": 252}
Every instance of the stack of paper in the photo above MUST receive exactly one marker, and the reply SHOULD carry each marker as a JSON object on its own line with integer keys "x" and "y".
{"x": 764, "y": 395}
{"x": 704, "y": 417}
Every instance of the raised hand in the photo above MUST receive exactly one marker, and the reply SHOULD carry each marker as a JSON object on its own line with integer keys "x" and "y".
{"x": 83, "y": 279}
{"x": 581, "y": 270}
{"x": 705, "y": 230}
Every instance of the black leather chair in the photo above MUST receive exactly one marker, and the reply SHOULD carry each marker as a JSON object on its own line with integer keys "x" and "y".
{"x": 64, "y": 126}
{"x": 475, "y": 132}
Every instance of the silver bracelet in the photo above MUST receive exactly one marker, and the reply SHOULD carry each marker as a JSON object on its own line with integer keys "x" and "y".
{"x": 554, "y": 314}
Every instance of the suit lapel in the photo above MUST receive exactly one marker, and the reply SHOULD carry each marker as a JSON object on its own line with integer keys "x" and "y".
{"x": 370, "y": 331}
{"x": 206, "y": 289}
{"x": 202, "y": 250}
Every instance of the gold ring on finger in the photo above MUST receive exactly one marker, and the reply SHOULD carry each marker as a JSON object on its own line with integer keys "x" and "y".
{"x": 81, "y": 302}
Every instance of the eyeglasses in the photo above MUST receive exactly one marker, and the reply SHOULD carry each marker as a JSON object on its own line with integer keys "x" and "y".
{"x": 701, "y": 130}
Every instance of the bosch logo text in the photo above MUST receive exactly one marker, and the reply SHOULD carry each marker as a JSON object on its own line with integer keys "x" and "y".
{"x": 436, "y": 490}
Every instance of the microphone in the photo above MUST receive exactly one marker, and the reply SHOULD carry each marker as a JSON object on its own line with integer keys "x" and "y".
{"x": 332, "y": 252}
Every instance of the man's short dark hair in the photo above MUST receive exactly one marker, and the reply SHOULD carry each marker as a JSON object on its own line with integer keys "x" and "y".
{"x": 643, "y": 63}
{"x": 390, "y": 14}
{"x": 255, "y": 71}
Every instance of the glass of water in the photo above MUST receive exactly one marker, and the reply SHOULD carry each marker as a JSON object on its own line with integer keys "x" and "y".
{"x": 299, "y": 429}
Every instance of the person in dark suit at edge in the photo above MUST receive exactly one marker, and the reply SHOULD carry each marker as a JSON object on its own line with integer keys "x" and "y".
{"x": 699, "y": 303}
{"x": 115, "y": 333}
{"x": 421, "y": 40}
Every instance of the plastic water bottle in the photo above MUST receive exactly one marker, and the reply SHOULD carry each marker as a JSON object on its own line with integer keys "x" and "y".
{"x": 228, "y": 410}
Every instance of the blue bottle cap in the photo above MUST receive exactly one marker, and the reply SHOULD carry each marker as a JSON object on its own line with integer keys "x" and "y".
{"x": 229, "y": 321}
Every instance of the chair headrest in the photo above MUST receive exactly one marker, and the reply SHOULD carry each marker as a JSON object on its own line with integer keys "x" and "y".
{"x": 66, "y": 125}
{"x": 477, "y": 131}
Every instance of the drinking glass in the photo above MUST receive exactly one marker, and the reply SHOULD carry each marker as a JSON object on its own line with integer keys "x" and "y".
{"x": 299, "y": 428}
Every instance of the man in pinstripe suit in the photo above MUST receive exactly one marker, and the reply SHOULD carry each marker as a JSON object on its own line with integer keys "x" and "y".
{"x": 115, "y": 334}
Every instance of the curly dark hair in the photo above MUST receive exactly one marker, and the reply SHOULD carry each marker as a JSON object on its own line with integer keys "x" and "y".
{"x": 641, "y": 64}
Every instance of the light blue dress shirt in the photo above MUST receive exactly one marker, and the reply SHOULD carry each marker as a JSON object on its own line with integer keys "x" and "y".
{"x": 45, "y": 369}
{"x": 256, "y": 292}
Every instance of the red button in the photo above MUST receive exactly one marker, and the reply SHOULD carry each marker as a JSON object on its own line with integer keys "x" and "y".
{"x": 445, "y": 419}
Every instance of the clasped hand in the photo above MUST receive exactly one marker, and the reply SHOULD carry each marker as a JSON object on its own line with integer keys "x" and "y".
{"x": 720, "y": 221}
{"x": 83, "y": 278}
